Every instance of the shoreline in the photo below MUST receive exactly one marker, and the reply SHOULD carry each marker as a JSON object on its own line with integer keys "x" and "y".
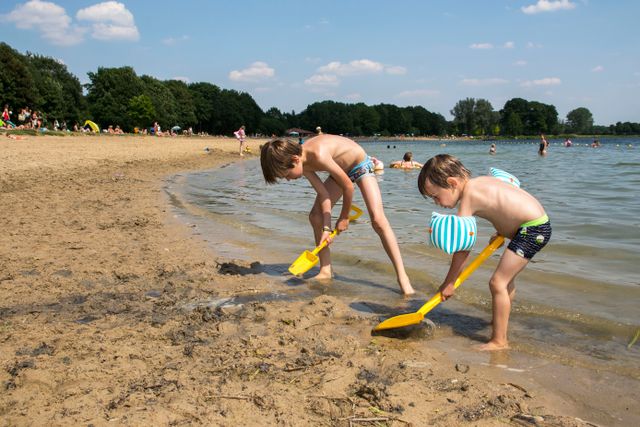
{"x": 113, "y": 311}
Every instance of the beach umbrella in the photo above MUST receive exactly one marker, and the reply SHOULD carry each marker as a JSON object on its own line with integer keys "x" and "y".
{"x": 176, "y": 128}
{"x": 94, "y": 127}
{"x": 294, "y": 133}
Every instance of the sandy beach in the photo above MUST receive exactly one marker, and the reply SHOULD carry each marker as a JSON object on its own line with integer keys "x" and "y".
{"x": 100, "y": 322}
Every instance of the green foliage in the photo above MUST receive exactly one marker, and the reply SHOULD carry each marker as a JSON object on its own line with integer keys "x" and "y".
{"x": 60, "y": 91}
{"x": 16, "y": 81}
{"x": 580, "y": 120}
{"x": 519, "y": 116}
{"x": 108, "y": 95}
{"x": 141, "y": 111}
{"x": 474, "y": 117}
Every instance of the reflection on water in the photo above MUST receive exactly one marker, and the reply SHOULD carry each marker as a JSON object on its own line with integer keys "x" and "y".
{"x": 579, "y": 296}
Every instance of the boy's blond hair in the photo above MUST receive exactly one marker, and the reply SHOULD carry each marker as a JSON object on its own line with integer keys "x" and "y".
{"x": 276, "y": 158}
{"x": 438, "y": 169}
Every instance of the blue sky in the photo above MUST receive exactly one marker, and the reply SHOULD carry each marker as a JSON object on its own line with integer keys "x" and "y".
{"x": 288, "y": 54}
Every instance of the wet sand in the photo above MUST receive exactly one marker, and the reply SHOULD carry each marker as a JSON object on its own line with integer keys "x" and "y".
{"x": 114, "y": 313}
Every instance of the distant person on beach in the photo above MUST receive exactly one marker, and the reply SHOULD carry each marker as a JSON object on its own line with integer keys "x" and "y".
{"x": 347, "y": 164}
{"x": 319, "y": 130}
{"x": 492, "y": 149}
{"x": 407, "y": 162}
{"x": 542, "y": 149}
{"x": 6, "y": 114}
{"x": 595, "y": 144}
{"x": 567, "y": 142}
{"x": 515, "y": 214}
{"x": 240, "y": 136}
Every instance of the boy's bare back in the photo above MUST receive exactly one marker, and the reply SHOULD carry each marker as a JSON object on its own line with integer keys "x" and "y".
{"x": 502, "y": 204}
{"x": 320, "y": 149}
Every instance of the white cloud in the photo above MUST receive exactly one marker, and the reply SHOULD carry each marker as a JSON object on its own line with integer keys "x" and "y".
{"x": 111, "y": 20}
{"x": 396, "y": 70}
{"x": 417, "y": 93}
{"x": 256, "y": 72}
{"x": 547, "y": 81}
{"x": 509, "y": 45}
{"x": 520, "y": 63}
{"x": 532, "y": 45}
{"x": 356, "y": 67}
{"x": 548, "y": 6}
{"x": 172, "y": 41}
{"x": 182, "y": 79}
{"x": 481, "y": 46}
{"x": 47, "y": 18}
{"x": 483, "y": 82}
{"x": 597, "y": 69}
{"x": 322, "y": 80}
{"x": 360, "y": 67}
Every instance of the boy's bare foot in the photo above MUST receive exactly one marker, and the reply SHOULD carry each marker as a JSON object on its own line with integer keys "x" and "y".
{"x": 324, "y": 275}
{"x": 492, "y": 346}
{"x": 406, "y": 287}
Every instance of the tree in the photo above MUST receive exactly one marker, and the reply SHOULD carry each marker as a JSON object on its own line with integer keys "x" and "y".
{"x": 109, "y": 92}
{"x": 580, "y": 120}
{"x": 463, "y": 115}
{"x": 60, "y": 91}
{"x": 474, "y": 117}
{"x": 141, "y": 111}
{"x": 16, "y": 82}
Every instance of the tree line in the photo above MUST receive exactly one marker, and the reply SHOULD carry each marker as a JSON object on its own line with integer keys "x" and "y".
{"x": 118, "y": 96}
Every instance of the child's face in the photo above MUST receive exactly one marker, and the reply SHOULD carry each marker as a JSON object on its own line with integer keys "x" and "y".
{"x": 296, "y": 171}
{"x": 444, "y": 197}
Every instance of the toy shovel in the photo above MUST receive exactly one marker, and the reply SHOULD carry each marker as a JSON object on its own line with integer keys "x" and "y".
{"x": 308, "y": 259}
{"x": 415, "y": 318}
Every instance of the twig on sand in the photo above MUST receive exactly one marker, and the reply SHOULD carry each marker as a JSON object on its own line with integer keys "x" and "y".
{"x": 225, "y": 396}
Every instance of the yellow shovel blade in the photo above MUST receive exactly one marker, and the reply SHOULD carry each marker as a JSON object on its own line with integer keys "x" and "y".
{"x": 415, "y": 318}
{"x": 304, "y": 263}
{"x": 400, "y": 321}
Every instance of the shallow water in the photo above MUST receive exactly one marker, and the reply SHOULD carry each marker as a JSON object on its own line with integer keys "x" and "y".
{"x": 577, "y": 301}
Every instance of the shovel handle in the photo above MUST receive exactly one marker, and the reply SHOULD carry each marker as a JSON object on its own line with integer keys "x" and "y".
{"x": 322, "y": 245}
{"x": 486, "y": 252}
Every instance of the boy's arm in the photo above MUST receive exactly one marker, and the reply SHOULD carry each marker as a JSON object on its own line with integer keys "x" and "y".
{"x": 457, "y": 262}
{"x": 343, "y": 181}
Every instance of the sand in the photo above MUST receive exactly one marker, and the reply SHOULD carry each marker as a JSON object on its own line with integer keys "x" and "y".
{"x": 102, "y": 320}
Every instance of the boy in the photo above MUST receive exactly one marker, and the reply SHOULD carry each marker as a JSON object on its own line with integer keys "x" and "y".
{"x": 514, "y": 213}
{"x": 347, "y": 163}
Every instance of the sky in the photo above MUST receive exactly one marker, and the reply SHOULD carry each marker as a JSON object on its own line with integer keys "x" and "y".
{"x": 291, "y": 53}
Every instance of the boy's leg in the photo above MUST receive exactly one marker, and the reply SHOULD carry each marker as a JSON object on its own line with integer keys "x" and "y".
{"x": 373, "y": 199}
{"x": 317, "y": 222}
{"x": 502, "y": 285}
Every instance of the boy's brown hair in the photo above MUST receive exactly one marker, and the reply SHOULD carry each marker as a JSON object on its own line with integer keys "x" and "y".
{"x": 276, "y": 158}
{"x": 438, "y": 169}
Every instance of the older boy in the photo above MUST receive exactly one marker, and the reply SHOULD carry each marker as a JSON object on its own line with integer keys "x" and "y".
{"x": 347, "y": 163}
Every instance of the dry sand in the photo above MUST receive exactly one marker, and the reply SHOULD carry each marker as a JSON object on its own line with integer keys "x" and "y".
{"x": 95, "y": 284}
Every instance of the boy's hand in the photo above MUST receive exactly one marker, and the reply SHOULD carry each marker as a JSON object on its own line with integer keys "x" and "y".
{"x": 326, "y": 235}
{"x": 447, "y": 290}
{"x": 342, "y": 224}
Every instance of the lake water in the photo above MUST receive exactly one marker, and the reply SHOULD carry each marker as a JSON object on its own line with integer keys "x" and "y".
{"x": 579, "y": 300}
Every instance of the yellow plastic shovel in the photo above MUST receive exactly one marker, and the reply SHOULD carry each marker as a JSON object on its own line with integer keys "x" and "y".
{"x": 308, "y": 259}
{"x": 415, "y": 318}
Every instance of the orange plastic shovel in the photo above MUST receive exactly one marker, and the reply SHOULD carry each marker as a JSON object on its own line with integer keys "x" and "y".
{"x": 415, "y": 318}
{"x": 308, "y": 259}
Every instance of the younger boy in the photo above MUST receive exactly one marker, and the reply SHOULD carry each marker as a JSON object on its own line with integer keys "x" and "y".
{"x": 514, "y": 213}
{"x": 347, "y": 163}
